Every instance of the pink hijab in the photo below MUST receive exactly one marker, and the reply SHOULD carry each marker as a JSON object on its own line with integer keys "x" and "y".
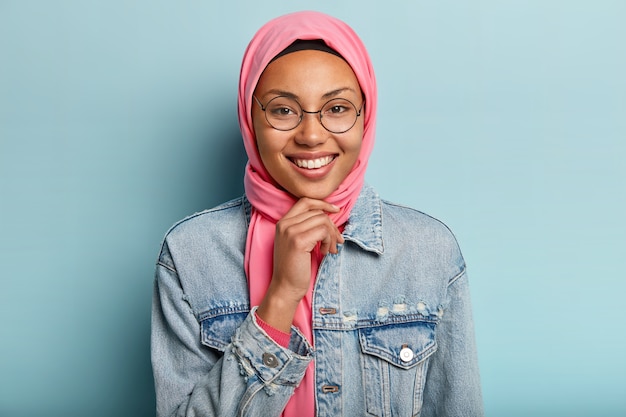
{"x": 270, "y": 203}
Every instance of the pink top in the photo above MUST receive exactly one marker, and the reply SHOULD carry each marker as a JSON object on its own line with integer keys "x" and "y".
{"x": 270, "y": 203}
{"x": 278, "y": 336}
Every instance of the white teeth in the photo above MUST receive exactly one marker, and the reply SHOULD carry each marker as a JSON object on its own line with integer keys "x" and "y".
{"x": 313, "y": 163}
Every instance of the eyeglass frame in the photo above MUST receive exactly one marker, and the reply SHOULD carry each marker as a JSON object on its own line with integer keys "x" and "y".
{"x": 263, "y": 108}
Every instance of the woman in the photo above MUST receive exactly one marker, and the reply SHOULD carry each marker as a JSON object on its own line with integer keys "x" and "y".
{"x": 310, "y": 295}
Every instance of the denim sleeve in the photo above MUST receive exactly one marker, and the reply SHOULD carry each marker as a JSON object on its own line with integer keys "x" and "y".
{"x": 253, "y": 376}
{"x": 453, "y": 382}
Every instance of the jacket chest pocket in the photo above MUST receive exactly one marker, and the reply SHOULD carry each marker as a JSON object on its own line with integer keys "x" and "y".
{"x": 394, "y": 359}
{"x": 217, "y": 331}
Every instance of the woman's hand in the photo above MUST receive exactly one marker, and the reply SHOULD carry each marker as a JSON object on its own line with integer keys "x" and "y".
{"x": 297, "y": 234}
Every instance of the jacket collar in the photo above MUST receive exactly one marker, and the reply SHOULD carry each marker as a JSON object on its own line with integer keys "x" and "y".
{"x": 365, "y": 224}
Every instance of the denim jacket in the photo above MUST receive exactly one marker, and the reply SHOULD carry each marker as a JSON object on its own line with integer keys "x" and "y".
{"x": 392, "y": 324}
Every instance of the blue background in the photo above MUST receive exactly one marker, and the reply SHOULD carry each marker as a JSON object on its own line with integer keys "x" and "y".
{"x": 505, "y": 119}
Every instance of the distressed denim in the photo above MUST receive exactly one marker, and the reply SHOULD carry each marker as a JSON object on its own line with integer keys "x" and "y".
{"x": 392, "y": 323}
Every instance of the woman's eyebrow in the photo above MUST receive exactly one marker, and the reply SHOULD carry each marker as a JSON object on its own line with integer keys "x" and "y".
{"x": 338, "y": 91}
{"x": 281, "y": 93}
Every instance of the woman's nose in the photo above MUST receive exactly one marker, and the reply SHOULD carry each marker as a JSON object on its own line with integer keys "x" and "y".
{"x": 310, "y": 131}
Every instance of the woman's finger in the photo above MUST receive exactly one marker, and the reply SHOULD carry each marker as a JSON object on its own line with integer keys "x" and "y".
{"x": 309, "y": 204}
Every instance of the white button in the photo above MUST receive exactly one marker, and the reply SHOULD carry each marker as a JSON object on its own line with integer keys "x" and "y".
{"x": 406, "y": 354}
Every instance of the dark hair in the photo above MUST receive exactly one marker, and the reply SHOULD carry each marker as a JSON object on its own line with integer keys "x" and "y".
{"x": 303, "y": 45}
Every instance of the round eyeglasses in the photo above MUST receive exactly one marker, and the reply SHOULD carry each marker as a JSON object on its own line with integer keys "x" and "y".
{"x": 285, "y": 113}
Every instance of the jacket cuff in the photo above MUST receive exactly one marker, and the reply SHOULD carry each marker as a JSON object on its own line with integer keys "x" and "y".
{"x": 261, "y": 355}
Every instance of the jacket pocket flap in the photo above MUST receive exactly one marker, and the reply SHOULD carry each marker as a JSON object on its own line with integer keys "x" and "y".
{"x": 216, "y": 332}
{"x": 403, "y": 345}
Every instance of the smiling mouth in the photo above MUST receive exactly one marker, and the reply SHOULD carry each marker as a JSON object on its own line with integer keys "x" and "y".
{"x": 313, "y": 163}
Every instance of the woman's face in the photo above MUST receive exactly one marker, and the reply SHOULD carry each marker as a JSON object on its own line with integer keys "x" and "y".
{"x": 312, "y": 78}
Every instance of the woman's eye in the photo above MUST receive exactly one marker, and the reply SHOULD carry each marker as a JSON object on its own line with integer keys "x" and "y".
{"x": 337, "y": 109}
{"x": 282, "y": 111}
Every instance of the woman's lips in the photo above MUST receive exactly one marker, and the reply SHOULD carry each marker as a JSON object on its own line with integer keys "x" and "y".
{"x": 315, "y": 163}
{"x": 314, "y": 168}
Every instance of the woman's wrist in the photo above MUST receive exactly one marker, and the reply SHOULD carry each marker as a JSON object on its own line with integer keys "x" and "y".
{"x": 277, "y": 311}
{"x": 278, "y": 336}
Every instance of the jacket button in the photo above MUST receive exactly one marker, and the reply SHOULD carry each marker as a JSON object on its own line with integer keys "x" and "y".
{"x": 406, "y": 354}
{"x": 270, "y": 360}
